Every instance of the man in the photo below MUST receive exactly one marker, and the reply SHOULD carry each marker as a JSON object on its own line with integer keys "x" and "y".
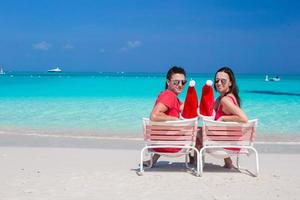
{"x": 167, "y": 106}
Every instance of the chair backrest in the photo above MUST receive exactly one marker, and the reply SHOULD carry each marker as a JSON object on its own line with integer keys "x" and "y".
{"x": 234, "y": 133}
{"x": 179, "y": 132}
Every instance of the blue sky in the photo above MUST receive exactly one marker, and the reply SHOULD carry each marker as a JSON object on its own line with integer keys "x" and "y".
{"x": 254, "y": 36}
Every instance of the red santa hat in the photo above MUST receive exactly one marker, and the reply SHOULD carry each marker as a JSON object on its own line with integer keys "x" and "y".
{"x": 206, "y": 106}
{"x": 191, "y": 102}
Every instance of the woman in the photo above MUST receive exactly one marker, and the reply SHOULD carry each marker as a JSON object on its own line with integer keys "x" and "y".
{"x": 227, "y": 105}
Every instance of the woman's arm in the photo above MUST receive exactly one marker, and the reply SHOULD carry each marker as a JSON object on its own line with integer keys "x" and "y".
{"x": 235, "y": 113}
{"x": 158, "y": 113}
{"x": 216, "y": 104}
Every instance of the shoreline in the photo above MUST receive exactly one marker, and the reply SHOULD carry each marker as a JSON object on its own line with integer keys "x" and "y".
{"x": 132, "y": 135}
{"x": 128, "y": 133}
{"x": 23, "y": 140}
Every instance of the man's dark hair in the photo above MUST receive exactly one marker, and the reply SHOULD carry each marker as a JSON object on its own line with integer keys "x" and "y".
{"x": 174, "y": 70}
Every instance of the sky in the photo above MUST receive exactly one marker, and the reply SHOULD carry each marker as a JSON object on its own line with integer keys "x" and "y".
{"x": 250, "y": 36}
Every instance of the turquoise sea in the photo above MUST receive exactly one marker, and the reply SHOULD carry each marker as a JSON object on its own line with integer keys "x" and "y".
{"x": 113, "y": 104}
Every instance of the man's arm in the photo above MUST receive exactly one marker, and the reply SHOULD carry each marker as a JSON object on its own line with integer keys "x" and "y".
{"x": 158, "y": 113}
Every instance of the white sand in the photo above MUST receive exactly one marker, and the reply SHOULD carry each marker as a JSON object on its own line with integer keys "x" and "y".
{"x": 80, "y": 173}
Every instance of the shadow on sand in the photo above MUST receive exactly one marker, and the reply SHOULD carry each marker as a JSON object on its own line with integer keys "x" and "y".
{"x": 165, "y": 166}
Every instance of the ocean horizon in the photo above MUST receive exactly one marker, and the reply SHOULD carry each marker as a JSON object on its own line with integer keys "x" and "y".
{"x": 112, "y": 104}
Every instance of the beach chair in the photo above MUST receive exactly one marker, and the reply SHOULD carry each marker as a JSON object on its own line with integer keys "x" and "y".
{"x": 236, "y": 138}
{"x": 170, "y": 134}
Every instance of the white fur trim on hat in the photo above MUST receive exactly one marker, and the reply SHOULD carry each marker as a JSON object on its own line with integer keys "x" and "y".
{"x": 192, "y": 83}
{"x": 209, "y": 82}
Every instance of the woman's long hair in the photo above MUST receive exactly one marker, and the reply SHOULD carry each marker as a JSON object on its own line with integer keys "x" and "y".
{"x": 233, "y": 88}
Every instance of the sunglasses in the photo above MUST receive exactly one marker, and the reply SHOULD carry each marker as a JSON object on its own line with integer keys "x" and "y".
{"x": 177, "y": 82}
{"x": 223, "y": 81}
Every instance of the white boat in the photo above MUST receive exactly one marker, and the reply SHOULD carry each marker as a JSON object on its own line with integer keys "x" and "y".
{"x": 272, "y": 78}
{"x": 2, "y": 71}
{"x": 57, "y": 69}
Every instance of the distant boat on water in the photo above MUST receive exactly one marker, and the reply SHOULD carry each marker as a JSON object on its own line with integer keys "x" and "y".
{"x": 57, "y": 69}
{"x": 2, "y": 72}
{"x": 276, "y": 78}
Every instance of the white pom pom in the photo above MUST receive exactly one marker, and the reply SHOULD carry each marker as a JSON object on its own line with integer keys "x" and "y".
{"x": 192, "y": 83}
{"x": 209, "y": 82}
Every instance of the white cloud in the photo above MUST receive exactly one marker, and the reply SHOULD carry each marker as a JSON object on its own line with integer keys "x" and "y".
{"x": 131, "y": 45}
{"x": 134, "y": 44}
{"x": 44, "y": 46}
{"x": 68, "y": 46}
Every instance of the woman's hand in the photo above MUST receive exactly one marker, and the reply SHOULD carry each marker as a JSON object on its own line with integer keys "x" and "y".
{"x": 221, "y": 119}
